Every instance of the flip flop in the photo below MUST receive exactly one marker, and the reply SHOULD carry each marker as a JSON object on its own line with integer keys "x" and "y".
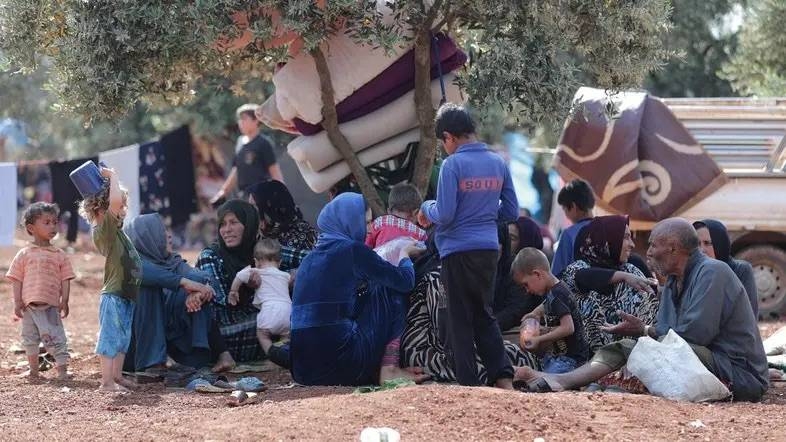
{"x": 249, "y": 384}
{"x": 540, "y": 386}
{"x": 250, "y": 368}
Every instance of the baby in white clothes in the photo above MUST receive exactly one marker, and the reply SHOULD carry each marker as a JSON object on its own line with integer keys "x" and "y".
{"x": 272, "y": 296}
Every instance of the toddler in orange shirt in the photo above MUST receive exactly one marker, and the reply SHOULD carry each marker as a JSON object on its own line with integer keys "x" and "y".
{"x": 40, "y": 274}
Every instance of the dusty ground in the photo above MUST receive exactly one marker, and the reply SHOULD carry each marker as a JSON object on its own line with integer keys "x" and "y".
{"x": 73, "y": 410}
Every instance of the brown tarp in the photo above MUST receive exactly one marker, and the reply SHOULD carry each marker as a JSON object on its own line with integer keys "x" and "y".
{"x": 639, "y": 159}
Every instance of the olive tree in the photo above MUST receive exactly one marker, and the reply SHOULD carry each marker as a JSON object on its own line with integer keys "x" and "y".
{"x": 527, "y": 55}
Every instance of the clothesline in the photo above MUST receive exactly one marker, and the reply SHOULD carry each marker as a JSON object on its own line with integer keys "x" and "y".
{"x": 158, "y": 174}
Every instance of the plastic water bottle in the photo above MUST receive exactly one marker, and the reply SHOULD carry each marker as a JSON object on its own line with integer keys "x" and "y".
{"x": 383, "y": 434}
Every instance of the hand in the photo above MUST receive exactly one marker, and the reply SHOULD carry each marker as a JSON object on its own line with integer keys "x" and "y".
{"x": 218, "y": 196}
{"x": 254, "y": 281}
{"x": 532, "y": 343}
{"x": 639, "y": 283}
{"x": 64, "y": 309}
{"x": 207, "y": 294}
{"x": 107, "y": 172}
{"x": 193, "y": 302}
{"x": 19, "y": 310}
{"x": 423, "y": 220}
{"x": 630, "y": 326}
{"x": 234, "y": 297}
{"x": 412, "y": 250}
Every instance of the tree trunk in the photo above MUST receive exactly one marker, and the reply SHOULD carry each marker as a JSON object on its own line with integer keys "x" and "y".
{"x": 427, "y": 149}
{"x": 330, "y": 124}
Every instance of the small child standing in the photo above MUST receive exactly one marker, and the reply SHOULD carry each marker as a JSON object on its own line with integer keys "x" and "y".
{"x": 475, "y": 191}
{"x": 105, "y": 211}
{"x": 403, "y": 206}
{"x": 570, "y": 350}
{"x": 272, "y": 296}
{"x": 40, "y": 274}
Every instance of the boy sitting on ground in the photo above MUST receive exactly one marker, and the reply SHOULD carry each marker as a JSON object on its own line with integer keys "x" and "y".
{"x": 566, "y": 331}
{"x": 403, "y": 205}
{"x": 272, "y": 296}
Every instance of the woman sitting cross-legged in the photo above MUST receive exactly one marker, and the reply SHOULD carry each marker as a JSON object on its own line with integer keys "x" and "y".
{"x": 172, "y": 315}
{"x": 604, "y": 282}
{"x": 338, "y": 337}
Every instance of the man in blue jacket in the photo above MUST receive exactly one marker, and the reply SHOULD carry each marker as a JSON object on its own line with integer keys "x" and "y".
{"x": 472, "y": 183}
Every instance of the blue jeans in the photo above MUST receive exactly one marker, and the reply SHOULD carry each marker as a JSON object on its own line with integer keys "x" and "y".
{"x": 558, "y": 364}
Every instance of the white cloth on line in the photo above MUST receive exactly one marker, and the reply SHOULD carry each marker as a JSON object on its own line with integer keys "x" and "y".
{"x": 8, "y": 221}
{"x": 125, "y": 161}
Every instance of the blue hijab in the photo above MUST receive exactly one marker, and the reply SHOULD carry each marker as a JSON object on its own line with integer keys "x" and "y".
{"x": 342, "y": 219}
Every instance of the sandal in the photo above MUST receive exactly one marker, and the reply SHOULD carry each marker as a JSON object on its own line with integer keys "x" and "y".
{"x": 540, "y": 386}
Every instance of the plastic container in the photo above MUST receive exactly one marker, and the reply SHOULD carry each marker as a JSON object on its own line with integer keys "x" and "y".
{"x": 87, "y": 179}
{"x": 529, "y": 329}
{"x": 383, "y": 434}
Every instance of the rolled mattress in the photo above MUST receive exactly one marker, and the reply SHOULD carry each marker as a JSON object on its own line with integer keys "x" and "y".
{"x": 318, "y": 153}
{"x": 322, "y": 181}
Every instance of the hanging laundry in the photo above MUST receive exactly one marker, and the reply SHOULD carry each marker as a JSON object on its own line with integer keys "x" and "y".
{"x": 179, "y": 181}
{"x": 152, "y": 168}
{"x": 65, "y": 195}
{"x": 125, "y": 161}
{"x": 7, "y": 203}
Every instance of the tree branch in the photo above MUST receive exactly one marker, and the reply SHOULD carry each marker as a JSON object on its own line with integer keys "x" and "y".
{"x": 330, "y": 124}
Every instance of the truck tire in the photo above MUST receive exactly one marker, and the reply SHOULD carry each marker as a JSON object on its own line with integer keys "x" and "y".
{"x": 769, "y": 269}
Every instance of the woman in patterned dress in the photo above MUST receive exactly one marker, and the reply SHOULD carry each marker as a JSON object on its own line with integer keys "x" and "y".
{"x": 604, "y": 282}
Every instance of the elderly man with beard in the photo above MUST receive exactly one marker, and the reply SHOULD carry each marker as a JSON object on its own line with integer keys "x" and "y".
{"x": 702, "y": 301}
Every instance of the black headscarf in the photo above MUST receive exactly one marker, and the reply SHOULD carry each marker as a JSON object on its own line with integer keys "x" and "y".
{"x": 236, "y": 258}
{"x": 276, "y": 205}
{"x": 599, "y": 243}
{"x": 529, "y": 234}
{"x": 721, "y": 243}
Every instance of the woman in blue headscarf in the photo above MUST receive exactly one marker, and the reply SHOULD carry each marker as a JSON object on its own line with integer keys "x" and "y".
{"x": 172, "y": 315}
{"x": 339, "y": 337}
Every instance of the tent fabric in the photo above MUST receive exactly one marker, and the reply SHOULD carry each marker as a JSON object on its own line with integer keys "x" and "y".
{"x": 642, "y": 161}
{"x": 317, "y": 152}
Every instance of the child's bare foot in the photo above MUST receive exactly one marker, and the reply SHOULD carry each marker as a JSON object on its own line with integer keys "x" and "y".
{"x": 224, "y": 363}
{"x": 391, "y": 372}
{"x": 63, "y": 374}
{"x": 112, "y": 388}
{"x": 126, "y": 383}
{"x": 31, "y": 375}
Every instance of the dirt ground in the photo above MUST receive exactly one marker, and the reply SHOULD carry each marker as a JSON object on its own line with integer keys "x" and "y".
{"x": 73, "y": 410}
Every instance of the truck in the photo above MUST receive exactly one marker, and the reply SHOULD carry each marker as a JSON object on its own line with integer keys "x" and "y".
{"x": 747, "y": 138}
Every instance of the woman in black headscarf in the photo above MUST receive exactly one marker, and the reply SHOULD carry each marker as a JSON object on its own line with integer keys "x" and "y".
{"x": 714, "y": 241}
{"x": 604, "y": 245}
{"x": 238, "y": 229}
{"x": 511, "y": 301}
{"x": 279, "y": 217}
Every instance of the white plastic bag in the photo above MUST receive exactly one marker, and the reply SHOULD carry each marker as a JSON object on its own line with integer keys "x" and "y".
{"x": 391, "y": 250}
{"x": 670, "y": 369}
{"x": 776, "y": 344}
